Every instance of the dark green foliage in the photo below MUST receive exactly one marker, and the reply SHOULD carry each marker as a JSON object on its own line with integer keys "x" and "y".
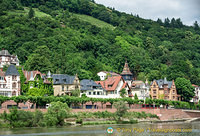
{"x": 31, "y": 13}
{"x": 185, "y": 89}
{"x": 64, "y": 43}
{"x": 123, "y": 93}
{"x": 135, "y": 97}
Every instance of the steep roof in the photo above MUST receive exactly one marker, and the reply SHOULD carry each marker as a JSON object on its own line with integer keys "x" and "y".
{"x": 28, "y": 74}
{"x": 162, "y": 82}
{"x": 62, "y": 79}
{"x": 126, "y": 70}
{"x": 137, "y": 84}
{"x": 87, "y": 84}
{"x": 12, "y": 71}
{"x": 111, "y": 83}
{"x": 4, "y": 53}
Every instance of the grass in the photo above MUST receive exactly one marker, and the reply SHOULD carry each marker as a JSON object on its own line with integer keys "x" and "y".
{"x": 38, "y": 13}
{"x": 94, "y": 21}
{"x": 85, "y": 18}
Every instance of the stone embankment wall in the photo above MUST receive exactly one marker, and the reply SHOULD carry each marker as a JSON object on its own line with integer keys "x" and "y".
{"x": 164, "y": 114}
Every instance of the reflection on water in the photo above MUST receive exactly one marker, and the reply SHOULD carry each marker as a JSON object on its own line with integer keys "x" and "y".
{"x": 119, "y": 130}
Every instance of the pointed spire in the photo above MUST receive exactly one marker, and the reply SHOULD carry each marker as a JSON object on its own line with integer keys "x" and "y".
{"x": 126, "y": 70}
{"x": 146, "y": 82}
{"x": 49, "y": 74}
{"x": 165, "y": 80}
{"x": 31, "y": 78}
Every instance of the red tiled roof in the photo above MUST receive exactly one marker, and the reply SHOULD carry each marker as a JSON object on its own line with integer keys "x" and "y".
{"x": 124, "y": 85}
{"x": 111, "y": 83}
{"x": 27, "y": 74}
{"x": 195, "y": 85}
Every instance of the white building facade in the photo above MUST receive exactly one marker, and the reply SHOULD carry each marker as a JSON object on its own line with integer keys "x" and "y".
{"x": 197, "y": 94}
{"x": 7, "y": 59}
{"x": 10, "y": 82}
{"x": 141, "y": 89}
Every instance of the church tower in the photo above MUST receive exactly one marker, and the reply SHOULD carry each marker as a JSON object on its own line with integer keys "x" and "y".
{"x": 126, "y": 73}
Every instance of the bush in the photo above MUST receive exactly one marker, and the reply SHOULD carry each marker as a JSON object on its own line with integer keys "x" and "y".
{"x": 79, "y": 121}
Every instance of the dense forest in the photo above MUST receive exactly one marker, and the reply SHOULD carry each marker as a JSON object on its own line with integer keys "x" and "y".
{"x": 83, "y": 37}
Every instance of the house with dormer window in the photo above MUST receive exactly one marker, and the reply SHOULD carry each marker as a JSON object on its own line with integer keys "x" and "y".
{"x": 113, "y": 85}
{"x": 10, "y": 82}
{"x": 6, "y": 59}
{"x": 64, "y": 84}
{"x": 163, "y": 89}
{"x": 35, "y": 79}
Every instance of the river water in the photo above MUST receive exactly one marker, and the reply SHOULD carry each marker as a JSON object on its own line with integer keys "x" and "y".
{"x": 141, "y": 129}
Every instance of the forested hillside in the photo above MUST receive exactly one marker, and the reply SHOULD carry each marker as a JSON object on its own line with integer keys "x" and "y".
{"x": 80, "y": 36}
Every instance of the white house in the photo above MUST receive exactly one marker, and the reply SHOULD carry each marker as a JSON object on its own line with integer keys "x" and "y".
{"x": 113, "y": 86}
{"x": 197, "y": 94}
{"x": 141, "y": 89}
{"x": 91, "y": 89}
{"x": 10, "y": 82}
{"x": 104, "y": 74}
{"x": 7, "y": 59}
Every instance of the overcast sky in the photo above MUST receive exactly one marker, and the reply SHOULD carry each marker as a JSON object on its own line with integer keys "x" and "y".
{"x": 187, "y": 10}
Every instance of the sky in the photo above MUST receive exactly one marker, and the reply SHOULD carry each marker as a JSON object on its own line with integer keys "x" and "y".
{"x": 187, "y": 10}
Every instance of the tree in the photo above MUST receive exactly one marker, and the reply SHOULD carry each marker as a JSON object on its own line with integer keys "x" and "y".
{"x": 31, "y": 13}
{"x": 56, "y": 114}
{"x": 123, "y": 92}
{"x": 196, "y": 26}
{"x": 39, "y": 60}
{"x": 135, "y": 97}
{"x": 185, "y": 89}
{"x": 121, "y": 108}
{"x": 76, "y": 93}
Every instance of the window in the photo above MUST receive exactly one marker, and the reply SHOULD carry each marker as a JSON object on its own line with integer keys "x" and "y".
{"x": 173, "y": 97}
{"x": 62, "y": 87}
{"x": 57, "y": 80}
{"x": 173, "y": 91}
{"x": 154, "y": 91}
{"x": 89, "y": 93}
{"x": 76, "y": 87}
{"x": 165, "y": 92}
{"x": 14, "y": 77}
{"x": 14, "y": 85}
{"x": 154, "y": 97}
{"x": 168, "y": 91}
{"x": 64, "y": 80}
{"x": 166, "y": 97}
{"x": 109, "y": 85}
{"x": 94, "y": 93}
{"x": 98, "y": 93}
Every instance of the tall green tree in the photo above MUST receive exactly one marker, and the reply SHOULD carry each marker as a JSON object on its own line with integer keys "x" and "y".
{"x": 31, "y": 13}
{"x": 185, "y": 89}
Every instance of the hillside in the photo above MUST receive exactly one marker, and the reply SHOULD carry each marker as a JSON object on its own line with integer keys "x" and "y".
{"x": 80, "y": 36}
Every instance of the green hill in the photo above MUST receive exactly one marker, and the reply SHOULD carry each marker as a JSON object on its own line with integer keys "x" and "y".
{"x": 84, "y": 37}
